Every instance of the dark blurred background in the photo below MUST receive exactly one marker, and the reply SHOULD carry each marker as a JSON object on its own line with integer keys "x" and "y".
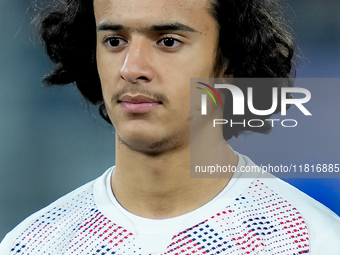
{"x": 51, "y": 141}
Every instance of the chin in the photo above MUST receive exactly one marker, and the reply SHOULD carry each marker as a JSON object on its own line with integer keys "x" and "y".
{"x": 150, "y": 145}
{"x": 146, "y": 146}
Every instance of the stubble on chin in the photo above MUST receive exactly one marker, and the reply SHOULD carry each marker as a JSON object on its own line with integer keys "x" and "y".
{"x": 151, "y": 148}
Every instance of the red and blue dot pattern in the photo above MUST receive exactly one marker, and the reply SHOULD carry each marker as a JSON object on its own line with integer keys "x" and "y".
{"x": 76, "y": 227}
{"x": 258, "y": 222}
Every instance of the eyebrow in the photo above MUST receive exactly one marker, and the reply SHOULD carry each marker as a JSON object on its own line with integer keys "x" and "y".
{"x": 177, "y": 26}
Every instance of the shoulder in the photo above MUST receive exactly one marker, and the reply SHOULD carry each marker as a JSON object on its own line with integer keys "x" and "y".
{"x": 54, "y": 220}
{"x": 289, "y": 207}
{"x": 323, "y": 224}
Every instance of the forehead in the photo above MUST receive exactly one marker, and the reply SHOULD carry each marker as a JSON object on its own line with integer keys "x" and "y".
{"x": 137, "y": 13}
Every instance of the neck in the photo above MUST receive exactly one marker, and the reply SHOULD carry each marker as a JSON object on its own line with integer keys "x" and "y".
{"x": 159, "y": 186}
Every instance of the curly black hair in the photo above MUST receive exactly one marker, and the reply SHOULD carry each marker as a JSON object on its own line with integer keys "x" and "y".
{"x": 253, "y": 42}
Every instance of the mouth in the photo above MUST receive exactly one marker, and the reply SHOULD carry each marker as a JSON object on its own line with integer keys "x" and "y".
{"x": 138, "y": 103}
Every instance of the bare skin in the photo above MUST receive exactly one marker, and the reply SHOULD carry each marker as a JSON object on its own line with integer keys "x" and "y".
{"x": 149, "y": 50}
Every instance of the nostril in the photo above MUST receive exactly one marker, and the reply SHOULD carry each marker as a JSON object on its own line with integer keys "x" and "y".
{"x": 142, "y": 78}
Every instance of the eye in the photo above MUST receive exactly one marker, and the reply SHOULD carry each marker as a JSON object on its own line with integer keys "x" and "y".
{"x": 169, "y": 42}
{"x": 114, "y": 42}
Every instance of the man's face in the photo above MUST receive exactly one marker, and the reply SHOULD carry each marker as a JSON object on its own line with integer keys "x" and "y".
{"x": 147, "y": 51}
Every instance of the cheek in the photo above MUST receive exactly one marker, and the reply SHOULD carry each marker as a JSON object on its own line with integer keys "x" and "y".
{"x": 101, "y": 66}
{"x": 105, "y": 85}
{"x": 106, "y": 75}
{"x": 198, "y": 66}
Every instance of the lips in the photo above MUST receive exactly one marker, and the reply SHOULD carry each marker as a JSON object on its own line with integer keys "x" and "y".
{"x": 138, "y": 103}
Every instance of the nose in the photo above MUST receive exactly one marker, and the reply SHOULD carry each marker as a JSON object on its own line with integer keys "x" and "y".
{"x": 137, "y": 65}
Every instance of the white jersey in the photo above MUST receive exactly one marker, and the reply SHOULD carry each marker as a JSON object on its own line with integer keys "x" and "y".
{"x": 250, "y": 216}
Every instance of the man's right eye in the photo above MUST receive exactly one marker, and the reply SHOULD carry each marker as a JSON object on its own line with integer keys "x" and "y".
{"x": 114, "y": 42}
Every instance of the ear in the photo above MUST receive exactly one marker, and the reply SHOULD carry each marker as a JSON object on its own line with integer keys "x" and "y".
{"x": 228, "y": 76}
{"x": 227, "y": 72}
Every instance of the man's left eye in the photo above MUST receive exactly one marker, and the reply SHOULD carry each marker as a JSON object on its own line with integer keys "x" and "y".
{"x": 169, "y": 42}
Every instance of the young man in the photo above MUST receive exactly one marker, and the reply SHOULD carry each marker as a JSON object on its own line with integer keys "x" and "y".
{"x": 135, "y": 58}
